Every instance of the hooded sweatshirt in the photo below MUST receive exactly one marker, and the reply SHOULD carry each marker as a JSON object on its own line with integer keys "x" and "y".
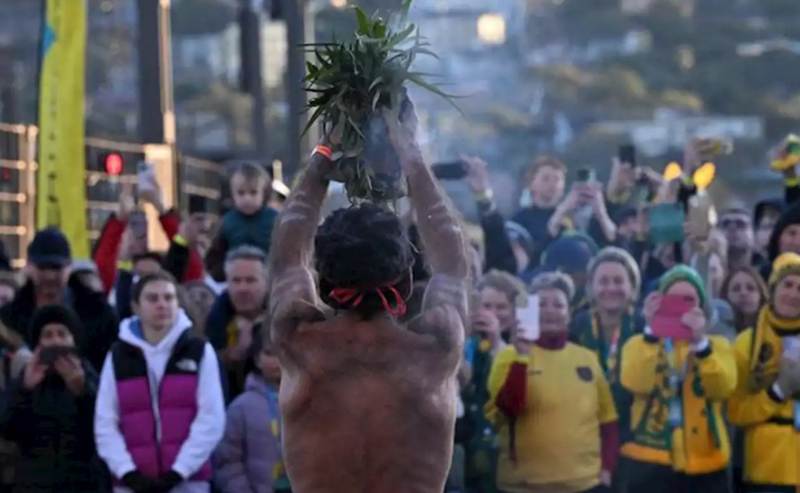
{"x": 206, "y": 429}
{"x": 789, "y": 217}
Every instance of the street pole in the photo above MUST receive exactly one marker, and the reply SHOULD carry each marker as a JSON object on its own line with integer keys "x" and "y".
{"x": 252, "y": 79}
{"x": 156, "y": 106}
{"x": 295, "y": 72}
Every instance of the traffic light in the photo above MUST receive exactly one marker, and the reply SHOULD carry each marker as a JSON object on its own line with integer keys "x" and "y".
{"x": 113, "y": 163}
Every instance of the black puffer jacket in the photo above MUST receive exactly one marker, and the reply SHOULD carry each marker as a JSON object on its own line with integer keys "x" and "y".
{"x": 99, "y": 320}
{"x": 54, "y": 431}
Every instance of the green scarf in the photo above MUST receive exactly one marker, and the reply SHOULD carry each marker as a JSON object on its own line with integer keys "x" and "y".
{"x": 593, "y": 339}
{"x": 654, "y": 429}
{"x": 767, "y": 347}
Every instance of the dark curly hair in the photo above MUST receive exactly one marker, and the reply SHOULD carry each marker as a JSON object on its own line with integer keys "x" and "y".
{"x": 363, "y": 247}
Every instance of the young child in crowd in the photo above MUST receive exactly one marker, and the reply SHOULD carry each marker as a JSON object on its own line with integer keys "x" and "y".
{"x": 249, "y": 222}
{"x": 249, "y": 456}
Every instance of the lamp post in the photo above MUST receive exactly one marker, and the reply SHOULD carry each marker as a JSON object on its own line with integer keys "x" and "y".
{"x": 492, "y": 28}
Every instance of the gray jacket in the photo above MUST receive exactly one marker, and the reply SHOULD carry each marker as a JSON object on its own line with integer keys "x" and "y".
{"x": 244, "y": 460}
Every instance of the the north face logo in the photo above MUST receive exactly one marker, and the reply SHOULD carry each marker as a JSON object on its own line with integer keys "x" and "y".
{"x": 188, "y": 365}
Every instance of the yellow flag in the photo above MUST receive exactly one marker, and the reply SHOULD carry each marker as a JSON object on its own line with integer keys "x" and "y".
{"x": 61, "y": 182}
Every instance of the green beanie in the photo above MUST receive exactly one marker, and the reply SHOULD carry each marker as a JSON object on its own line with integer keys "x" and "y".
{"x": 684, "y": 273}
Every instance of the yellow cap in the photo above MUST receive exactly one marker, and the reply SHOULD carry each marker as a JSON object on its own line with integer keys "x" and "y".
{"x": 784, "y": 265}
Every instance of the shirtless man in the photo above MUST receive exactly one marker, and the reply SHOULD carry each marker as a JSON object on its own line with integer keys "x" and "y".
{"x": 368, "y": 402}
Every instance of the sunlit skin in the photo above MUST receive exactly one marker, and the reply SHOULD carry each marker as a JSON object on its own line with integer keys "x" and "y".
{"x": 738, "y": 230}
{"x": 743, "y": 293}
{"x": 786, "y": 297}
{"x": 611, "y": 287}
{"x": 500, "y": 306}
{"x": 789, "y": 241}
{"x": 547, "y": 187}
{"x": 553, "y": 311}
{"x": 157, "y": 309}
{"x": 247, "y": 286}
{"x": 248, "y": 195}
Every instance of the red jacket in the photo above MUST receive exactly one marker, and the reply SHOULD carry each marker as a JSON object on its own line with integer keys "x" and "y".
{"x": 106, "y": 250}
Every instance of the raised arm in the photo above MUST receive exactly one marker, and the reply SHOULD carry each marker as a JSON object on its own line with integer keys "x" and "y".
{"x": 445, "y": 246}
{"x": 293, "y": 293}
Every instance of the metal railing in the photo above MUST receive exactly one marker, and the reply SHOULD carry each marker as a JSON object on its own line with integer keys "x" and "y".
{"x": 17, "y": 188}
{"x": 18, "y": 144}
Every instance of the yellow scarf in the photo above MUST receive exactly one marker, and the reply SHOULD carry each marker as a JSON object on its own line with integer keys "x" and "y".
{"x": 767, "y": 347}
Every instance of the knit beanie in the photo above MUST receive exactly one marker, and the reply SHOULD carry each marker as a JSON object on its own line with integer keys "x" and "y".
{"x": 789, "y": 217}
{"x": 683, "y": 273}
{"x": 55, "y": 314}
{"x": 765, "y": 206}
{"x": 570, "y": 253}
{"x": 785, "y": 265}
{"x": 621, "y": 257}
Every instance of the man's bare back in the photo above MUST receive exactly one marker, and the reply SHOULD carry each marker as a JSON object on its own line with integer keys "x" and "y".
{"x": 370, "y": 407}
{"x": 368, "y": 404}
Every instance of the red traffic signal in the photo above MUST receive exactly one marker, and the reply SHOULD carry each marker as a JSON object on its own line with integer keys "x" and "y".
{"x": 113, "y": 163}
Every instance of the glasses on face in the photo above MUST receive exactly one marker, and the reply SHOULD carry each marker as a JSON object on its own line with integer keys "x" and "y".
{"x": 734, "y": 223}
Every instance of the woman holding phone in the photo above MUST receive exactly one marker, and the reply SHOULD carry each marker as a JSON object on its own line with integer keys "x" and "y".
{"x": 765, "y": 405}
{"x": 679, "y": 377}
{"x": 49, "y": 411}
{"x": 611, "y": 320}
{"x": 552, "y": 405}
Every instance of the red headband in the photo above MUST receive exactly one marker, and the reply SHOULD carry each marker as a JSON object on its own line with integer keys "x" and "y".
{"x": 353, "y": 297}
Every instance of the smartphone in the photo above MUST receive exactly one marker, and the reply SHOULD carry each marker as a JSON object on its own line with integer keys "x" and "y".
{"x": 144, "y": 175}
{"x": 585, "y": 175}
{"x": 667, "y": 322}
{"x": 702, "y": 216}
{"x": 528, "y": 320}
{"x": 666, "y": 223}
{"x": 454, "y": 170}
{"x": 50, "y": 354}
{"x": 627, "y": 154}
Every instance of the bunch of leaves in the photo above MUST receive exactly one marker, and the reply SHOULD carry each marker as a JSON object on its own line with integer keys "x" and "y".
{"x": 352, "y": 83}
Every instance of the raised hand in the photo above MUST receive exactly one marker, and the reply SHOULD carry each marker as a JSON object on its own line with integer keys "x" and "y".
{"x": 697, "y": 322}
{"x": 35, "y": 372}
{"x": 477, "y": 174}
{"x": 126, "y": 203}
{"x": 651, "y": 306}
{"x": 402, "y": 135}
{"x": 71, "y": 370}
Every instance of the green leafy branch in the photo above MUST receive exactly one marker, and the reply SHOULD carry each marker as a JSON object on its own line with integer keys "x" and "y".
{"x": 351, "y": 82}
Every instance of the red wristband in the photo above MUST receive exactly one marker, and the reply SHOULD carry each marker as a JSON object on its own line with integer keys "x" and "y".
{"x": 324, "y": 150}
